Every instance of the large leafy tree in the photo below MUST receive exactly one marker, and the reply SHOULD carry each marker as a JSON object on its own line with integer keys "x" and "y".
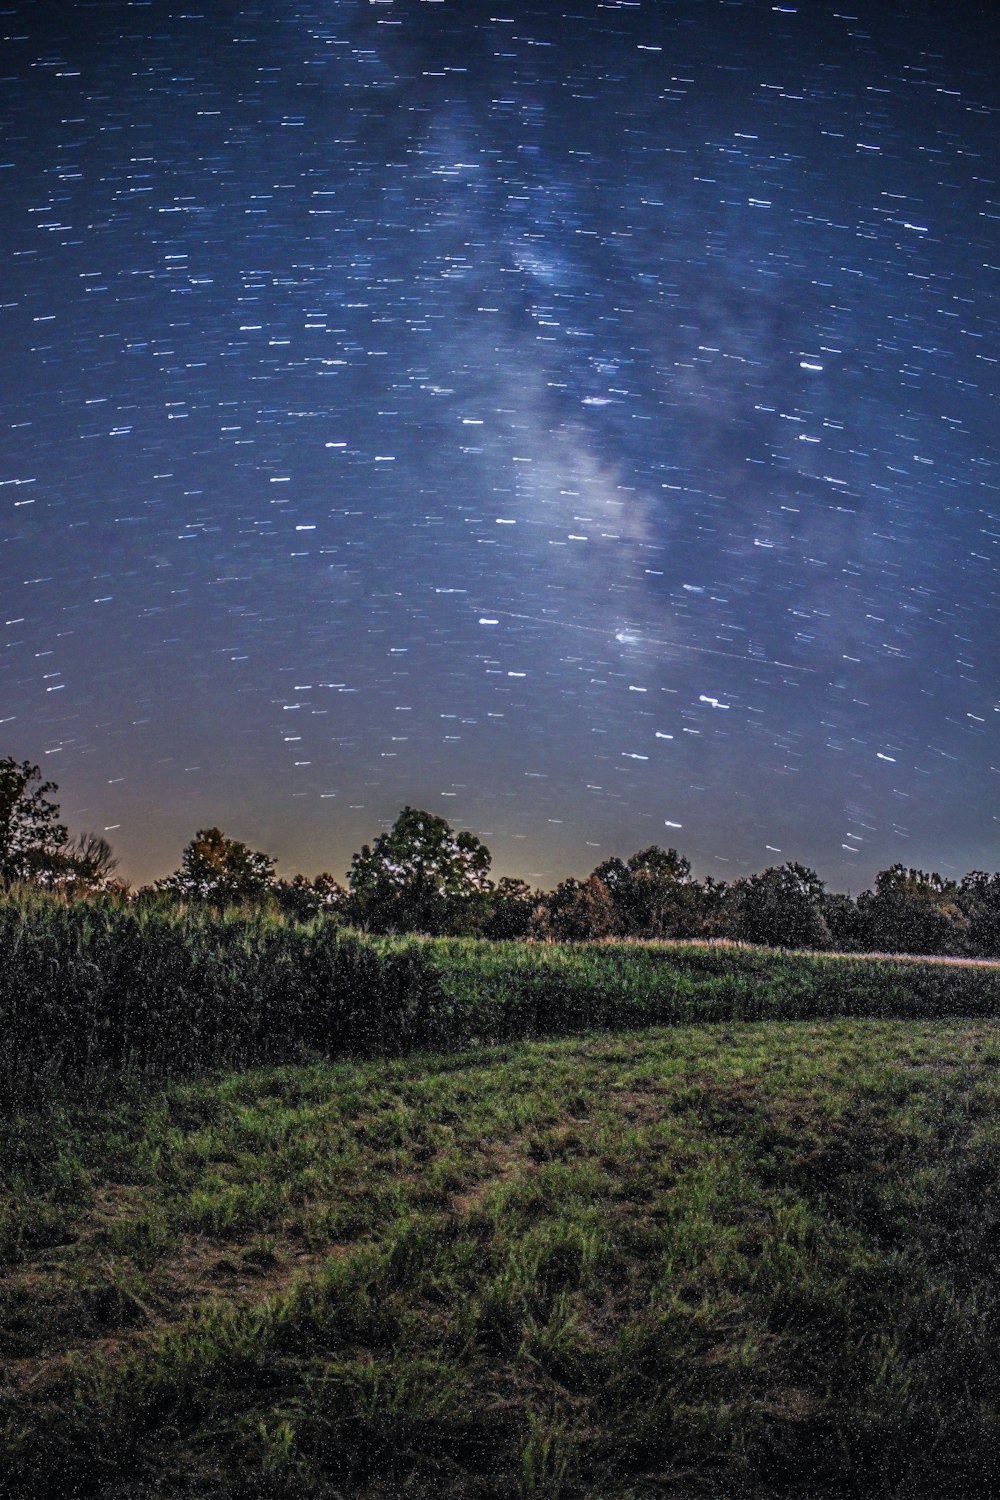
{"x": 421, "y": 876}
{"x": 31, "y": 833}
{"x": 653, "y": 892}
{"x": 578, "y": 911}
{"x": 844, "y": 920}
{"x": 513, "y": 904}
{"x": 220, "y": 870}
{"x": 978, "y": 898}
{"x": 781, "y": 906}
{"x": 912, "y": 911}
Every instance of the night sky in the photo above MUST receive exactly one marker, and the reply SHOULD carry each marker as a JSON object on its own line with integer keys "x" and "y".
{"x": 578, "y": 419}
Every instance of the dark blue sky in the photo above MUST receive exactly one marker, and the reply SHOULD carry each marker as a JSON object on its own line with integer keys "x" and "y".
{"x": 578, "y": 420}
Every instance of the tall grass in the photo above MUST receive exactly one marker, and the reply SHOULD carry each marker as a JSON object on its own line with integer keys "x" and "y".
{"x": 88, "y": 988}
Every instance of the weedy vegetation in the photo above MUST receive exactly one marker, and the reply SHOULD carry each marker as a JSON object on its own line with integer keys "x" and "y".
{"x": 751, "y": 1252}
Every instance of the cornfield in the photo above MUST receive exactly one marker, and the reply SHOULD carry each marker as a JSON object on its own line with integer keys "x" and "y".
{"x": 90, "y": 988}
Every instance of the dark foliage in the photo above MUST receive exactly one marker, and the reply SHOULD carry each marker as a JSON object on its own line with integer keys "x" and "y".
{"x": 87, "y": 987}
{"x": 220, "y": 870}
{"x": 421, "y": 876}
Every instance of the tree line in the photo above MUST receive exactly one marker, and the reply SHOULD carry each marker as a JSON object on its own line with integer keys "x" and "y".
{"x": 422, "y": 876}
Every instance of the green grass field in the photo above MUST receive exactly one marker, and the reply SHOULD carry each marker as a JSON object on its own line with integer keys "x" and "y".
{"x": 729, "y": 1259}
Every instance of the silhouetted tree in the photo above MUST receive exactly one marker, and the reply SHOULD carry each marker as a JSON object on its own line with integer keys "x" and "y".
{"x": 85, "y": 865}
{"x": 911, "y": 911}
{"x": 511, "y": 908}
{"x": 420, "y": 876}
{"x": 577, "y": 910}
{"x": 31, "y": 834}
{"x": 978, "y": 899}
{"x": 845, "y": 922}
{"x": 614, "y": 875}
{"x": 712, "y": 915}
{"x": 781, "y": 907}
{"x": 220, "y": 870}
{"x": 659, "y": 894}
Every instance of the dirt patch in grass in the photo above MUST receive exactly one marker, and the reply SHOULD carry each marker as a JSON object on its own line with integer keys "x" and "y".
{"x": 100, "y": 1308}
{"x": 505, "y": 1161}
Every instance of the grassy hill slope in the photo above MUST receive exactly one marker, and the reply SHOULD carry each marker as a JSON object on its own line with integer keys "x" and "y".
{"x": 728, "y": 1259}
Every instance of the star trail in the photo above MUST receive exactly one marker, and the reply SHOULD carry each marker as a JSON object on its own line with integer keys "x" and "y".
{"x": 579, "y": 420}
